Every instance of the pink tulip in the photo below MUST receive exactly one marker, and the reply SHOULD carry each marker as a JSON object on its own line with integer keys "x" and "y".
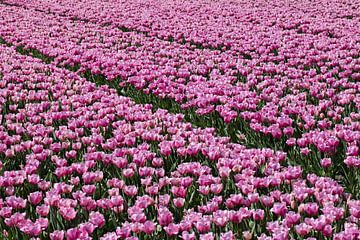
{"x": 67, "y": 213}
{"x": 35, "y": 198}
{"x": 57, "y": 235}
{"x": 148, "y": 227}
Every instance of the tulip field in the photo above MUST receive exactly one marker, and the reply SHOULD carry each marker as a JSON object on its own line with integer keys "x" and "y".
{"x": 191, "y": 119}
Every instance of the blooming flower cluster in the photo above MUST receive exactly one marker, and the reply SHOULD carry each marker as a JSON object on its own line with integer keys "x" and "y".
{"x": 80, "y": 161}
{"x": 303, "y": 93}
{"x": 211, "y": 24}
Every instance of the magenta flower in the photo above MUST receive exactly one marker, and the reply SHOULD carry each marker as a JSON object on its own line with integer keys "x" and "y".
{"x": 67, "y": 213}
{"x": 57, "y": 235}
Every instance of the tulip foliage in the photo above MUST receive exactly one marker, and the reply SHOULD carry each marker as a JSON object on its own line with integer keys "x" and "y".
{"x": 179, "y": 120}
